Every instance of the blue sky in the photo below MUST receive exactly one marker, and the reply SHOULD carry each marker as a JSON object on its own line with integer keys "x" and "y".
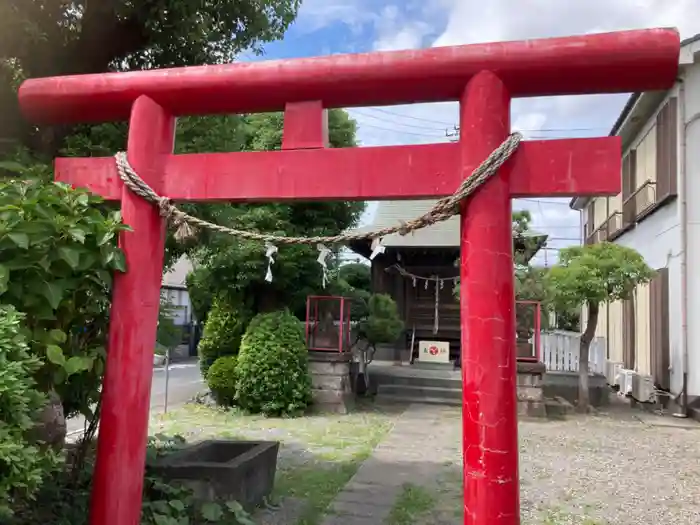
{"x": 350, "y": 26}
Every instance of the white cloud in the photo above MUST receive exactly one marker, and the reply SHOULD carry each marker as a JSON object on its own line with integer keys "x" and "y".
{"x": 466, "y": 22}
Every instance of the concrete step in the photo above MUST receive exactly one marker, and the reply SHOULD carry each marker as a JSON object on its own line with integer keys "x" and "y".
{"x": 430, "y": 381}
{"x": 414, "y": 391}
{"x": 419, "y": 399}
{"x": 557, "y": 407}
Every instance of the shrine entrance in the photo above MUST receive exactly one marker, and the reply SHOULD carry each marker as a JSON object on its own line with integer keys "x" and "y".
{"x": 483, "y": 78}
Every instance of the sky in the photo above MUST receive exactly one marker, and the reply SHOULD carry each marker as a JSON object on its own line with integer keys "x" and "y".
{"x": 350, "y": 26}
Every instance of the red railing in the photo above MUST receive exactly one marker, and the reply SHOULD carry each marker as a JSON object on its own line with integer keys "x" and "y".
{"x": 328, "y": 323}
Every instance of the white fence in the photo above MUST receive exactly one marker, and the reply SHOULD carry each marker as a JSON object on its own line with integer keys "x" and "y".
{"x": 560, "y": 352}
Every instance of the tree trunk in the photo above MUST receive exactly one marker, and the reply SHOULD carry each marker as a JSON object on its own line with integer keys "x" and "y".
{"x": 586, "y": 338}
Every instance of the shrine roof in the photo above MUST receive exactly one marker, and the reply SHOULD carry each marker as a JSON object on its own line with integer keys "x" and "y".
{"x": 441, "y": 235}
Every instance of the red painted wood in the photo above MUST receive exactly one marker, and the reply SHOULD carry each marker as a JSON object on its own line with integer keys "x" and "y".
{"x": 305, "y": 126}
{"x": 121, "y": 450}
{"x": 567, "y": 168}
{"x": 561, "y": 168}
{"x": 603, "y": 63}
{"x": 97, "y": 174}
{"x": 489, "y": 416}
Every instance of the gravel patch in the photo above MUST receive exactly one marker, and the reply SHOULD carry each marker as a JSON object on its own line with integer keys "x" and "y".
{"x": 609, "y": 469}
{"x": 603, "y": 469}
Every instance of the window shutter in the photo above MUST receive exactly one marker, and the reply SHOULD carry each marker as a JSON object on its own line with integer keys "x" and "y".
{"x": 667, "y": 150}
{"x": 629, "y": 170}
{"x": 628, "y": 334}
{"x": 659, "y": 324}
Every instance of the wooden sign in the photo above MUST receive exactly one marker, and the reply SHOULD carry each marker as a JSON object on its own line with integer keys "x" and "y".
{"x": 434, "y": 351}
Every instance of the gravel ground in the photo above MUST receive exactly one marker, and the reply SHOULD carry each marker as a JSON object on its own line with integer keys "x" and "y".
{"x": 605, "y": 469}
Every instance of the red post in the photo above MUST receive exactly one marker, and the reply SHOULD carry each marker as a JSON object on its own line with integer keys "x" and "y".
{"x": 489, "y": 418}
{"x": 121, "y": 451}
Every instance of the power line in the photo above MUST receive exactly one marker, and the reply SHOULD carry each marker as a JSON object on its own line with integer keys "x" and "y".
{"x": 540, "y": 201}
{"x": 456, "y": 128}
{"x": 401, "y": 131}
{"x": 444, "y": 130}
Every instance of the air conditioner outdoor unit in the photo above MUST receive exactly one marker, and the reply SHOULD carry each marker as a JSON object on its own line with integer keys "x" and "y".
{"x": 643, "y": 388}
{"x": 624, "y": 379}
{"x": 612, "y": 372}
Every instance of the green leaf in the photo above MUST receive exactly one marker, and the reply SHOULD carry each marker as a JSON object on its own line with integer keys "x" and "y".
{"x": 70, "y": 255}
{"x": 83, "y": 199}
{"x": 77, "y": 234}
{"x": 177, "y": 505}
{"x": 53, "y": 293}
{"x": 20, "y": 239}
{"x": 15, "y": 167}
{"x": 212, "y": 512}
{"x": 119, "y": 262}
{"x": 78, "y": 364}
{"x": 234, "y": 506}
{"x": 59, "y": 376}
{"x": 4, "y": 278}
{"x": 104, "y": 238}
{"x": 58, "y": 336}
{"x": 55, "y": 355}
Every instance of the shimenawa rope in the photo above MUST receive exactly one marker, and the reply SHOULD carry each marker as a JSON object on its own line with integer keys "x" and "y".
{"x": 444, "y": 208}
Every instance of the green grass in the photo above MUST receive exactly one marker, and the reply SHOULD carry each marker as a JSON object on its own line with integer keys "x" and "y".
{"x": 323, "y": 451}
{"x": 556, "y": 516}
{"x": 412, "y": 503}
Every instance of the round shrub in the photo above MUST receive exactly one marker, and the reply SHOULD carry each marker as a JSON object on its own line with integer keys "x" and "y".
{"x": 273, "y": 374}
{"x": 222, "y": 379}
{"x": 222, "y": 333}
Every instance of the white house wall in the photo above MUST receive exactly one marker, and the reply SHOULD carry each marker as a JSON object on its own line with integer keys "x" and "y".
{"x": 692, "y": 166}
{"x": 658, "y": 240}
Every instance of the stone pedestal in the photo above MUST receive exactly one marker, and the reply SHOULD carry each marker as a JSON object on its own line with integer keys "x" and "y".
{"x": 529, "y": 389}
{"x": 330, "y": 381}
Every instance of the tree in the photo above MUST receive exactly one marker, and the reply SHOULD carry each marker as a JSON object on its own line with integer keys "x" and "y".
{"x": 40, "y": 38}
{"x": 586, "y": 276}
{"x": 239, "y": 266}
{"x": 168, "y": 334}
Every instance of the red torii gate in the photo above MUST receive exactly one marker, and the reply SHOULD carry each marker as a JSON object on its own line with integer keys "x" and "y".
{"x": 483, "y": 78}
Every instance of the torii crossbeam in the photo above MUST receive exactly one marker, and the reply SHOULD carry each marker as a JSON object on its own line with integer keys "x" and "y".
{"x": 483, "y": 78}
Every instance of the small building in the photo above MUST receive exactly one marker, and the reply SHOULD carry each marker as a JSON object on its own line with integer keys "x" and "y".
{"x": 174, "y": 290}
{"x": 420, "y": 270}
{"x": 653, "y": 340}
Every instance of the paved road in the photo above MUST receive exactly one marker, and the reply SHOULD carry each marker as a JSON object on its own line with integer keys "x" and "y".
{"x": 183, "y": 383}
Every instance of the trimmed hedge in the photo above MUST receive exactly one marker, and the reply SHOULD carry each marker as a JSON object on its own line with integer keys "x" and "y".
{"x": 222, "y": 379}
{"x": 273, "y": 373}
{"x": 222, "y": 333}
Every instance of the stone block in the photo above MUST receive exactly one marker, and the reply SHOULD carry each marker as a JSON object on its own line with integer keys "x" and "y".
{"x": 530, "y": 393}
{"x": 532, "y": 409}
{"x": 331, "y": 382}
{"x": 529, "y": 380}
{"x": 223, "y": 470}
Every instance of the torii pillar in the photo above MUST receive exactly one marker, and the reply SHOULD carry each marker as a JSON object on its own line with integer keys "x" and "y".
{"x": 483, "y": 78}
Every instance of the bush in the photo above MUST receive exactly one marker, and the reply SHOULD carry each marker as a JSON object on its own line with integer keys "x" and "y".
{"x": 23, "y": 465}
{"x": 222, "y": 333}
{"x": 222, "y": 379}
{"x": 58, "y": 250}
{"x": 273, "y": 374}
{"x": 383, "y": 323}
